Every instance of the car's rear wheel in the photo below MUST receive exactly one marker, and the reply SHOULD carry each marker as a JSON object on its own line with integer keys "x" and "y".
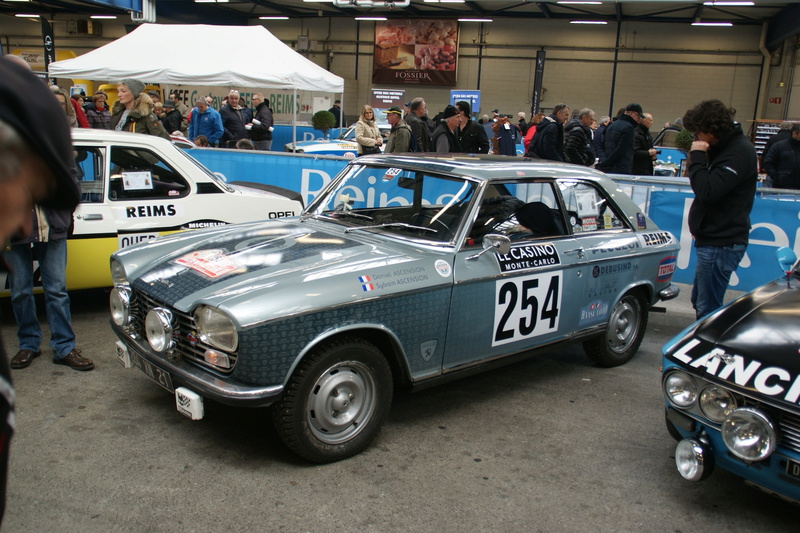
{"x": 624, "y": 333}
{"x": 336, "y": 401}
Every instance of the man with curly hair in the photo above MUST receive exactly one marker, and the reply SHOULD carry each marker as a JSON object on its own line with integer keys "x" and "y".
{"x": 723, "y": 172}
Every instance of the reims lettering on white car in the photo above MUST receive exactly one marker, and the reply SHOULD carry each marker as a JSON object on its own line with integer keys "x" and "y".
{"x": 526, "y": 307}
{"x": 146, "y": 211}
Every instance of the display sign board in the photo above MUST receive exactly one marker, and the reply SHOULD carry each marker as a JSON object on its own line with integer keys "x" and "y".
{"x": 418, "y": 52}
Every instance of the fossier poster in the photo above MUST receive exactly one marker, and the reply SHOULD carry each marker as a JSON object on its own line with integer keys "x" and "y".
{"x": 415, "y": 52}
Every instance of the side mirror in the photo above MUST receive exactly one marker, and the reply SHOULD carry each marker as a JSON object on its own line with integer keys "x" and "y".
{"x": 786, "y": 259}
{"x": 500, "y": 244}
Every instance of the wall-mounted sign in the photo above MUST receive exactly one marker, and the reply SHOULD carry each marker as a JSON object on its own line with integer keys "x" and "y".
{"x": 418, "y": 52}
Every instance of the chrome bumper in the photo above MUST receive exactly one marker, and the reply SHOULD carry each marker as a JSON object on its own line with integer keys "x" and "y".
{"x": 668, "y": 293}
{"x": 200, "y": 381}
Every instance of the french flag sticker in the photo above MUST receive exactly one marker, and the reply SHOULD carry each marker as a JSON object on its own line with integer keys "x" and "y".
{"x": 366, "y": 283}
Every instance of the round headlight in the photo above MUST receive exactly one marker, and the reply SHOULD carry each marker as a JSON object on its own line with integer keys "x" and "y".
{"x": 717, "y": 403}
{"x": 120, "y": 303}
{"x": 216, "y": 329}
{"x": 118, "y": 276}
{"x": 680, "y": 389}
{"x": 693, "y": 459}
{"x": 158, "y": 328}
{"x": 749, "y": 434}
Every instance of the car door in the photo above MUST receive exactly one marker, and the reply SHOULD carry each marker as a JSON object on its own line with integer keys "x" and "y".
{"x": 94, "y": 237}
{"x": 508, "y": 303}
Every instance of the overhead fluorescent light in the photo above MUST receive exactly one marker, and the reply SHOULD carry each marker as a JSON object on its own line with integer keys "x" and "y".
{"x": 475, "y": 20}
{"x": 579, "y": 2}
{"x": 720, "y": 24}
{"x": 729, "y": 3}
{"x": 27, "y": 15}
{"x": 445, "y": 1}
{"x": 597, "y": 22}
{"x": 318, "y": 1}
{"x": 273, "y": 18}
{"x": 20, "y": 1}
{"x": 370, "y": 18}
{"x": 103, "y": 17}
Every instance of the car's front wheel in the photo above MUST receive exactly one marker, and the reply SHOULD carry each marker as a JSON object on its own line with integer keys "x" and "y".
{"x": 336, "y": 401}
{"x": 624, "y": 333}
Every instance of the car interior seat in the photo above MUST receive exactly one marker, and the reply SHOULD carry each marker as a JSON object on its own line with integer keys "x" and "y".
{"x": 539, "y": 219}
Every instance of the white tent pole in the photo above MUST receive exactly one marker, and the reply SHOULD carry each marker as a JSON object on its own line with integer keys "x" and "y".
{"x": 294, "y": 121}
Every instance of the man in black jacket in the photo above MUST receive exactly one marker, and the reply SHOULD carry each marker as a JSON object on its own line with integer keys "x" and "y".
{"x": 643, "y": 152}
{"x": 723, "y": 172}
{"x": 471, "y": 135}
{"x": 578, "y": 146}
{"x": 782, "y": 162}
{"x": 548, "y": 143}
{"x": 618, "y": 141}
{"x": 262, "y": 125}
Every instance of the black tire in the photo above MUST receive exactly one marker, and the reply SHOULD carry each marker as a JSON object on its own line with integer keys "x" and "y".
{"x": 627, "y": 323}
{"x": 335, "y": 402}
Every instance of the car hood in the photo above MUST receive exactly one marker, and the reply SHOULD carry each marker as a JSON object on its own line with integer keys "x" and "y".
{"x": 257, "y": 272}
{"x": 752, "y": 343}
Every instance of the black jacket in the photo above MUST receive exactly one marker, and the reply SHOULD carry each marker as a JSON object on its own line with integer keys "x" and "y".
{"x": 724, "y": 185}
{"x": 172, "y": 121}
{"x": 618, "y": 146}
{"x": 782, "y": 164}
{"x": 548, "y": 143}
{"x": 473, "y": 139}
{"x": 782, "y": 135}
{"x": 452, "y": 138}
{"x": 260, "y": 132}
{"x": 421, "y": 132}
{"x": 233, "y": 120}
{"x": 578, "y": 146}
{"x": 642, "y": 160}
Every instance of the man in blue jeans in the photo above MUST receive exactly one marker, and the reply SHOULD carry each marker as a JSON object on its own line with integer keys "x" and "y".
{"x": 723, "y": 172}
{"x": 48, "y": 240}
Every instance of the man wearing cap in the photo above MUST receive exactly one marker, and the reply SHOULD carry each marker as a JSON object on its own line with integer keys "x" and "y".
{"x": 172, "y": 118}
{"x": 471, "y": 135}
{"x": 36, "y": 167}
{"x": 618, "y": 141}
{"x": 400, "y": 134}
{"x": 340, "y": 121}
{"x": 445, "y": 138}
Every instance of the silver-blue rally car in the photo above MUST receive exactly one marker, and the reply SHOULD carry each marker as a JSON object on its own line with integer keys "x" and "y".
{"x": 405, "y": 271}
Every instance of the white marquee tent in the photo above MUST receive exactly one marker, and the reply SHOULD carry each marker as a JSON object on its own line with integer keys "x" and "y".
{"x": 232, "y": 56}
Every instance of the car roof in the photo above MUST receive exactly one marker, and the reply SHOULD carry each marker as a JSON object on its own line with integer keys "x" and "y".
{"x": 112, "y": 136}
{"x": 483, "y": 167}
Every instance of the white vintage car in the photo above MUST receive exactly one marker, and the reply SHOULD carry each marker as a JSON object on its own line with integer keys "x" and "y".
{"x": 345, "y": 145}
{"x": 137, "y": 187}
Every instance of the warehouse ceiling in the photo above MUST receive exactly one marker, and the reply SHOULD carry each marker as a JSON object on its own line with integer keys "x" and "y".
{"x": 242, "y": 11}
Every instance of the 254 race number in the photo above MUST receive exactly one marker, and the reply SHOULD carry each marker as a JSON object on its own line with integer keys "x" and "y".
{"x": 526, "y": 307}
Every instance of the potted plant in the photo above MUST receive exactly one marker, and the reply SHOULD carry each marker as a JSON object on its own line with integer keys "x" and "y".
{"x": 684, "y": 140}
{"x": 323, "y": 121}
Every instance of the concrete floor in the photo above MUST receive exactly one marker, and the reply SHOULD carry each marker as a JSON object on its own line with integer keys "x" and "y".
{"x": 552, "y": 444}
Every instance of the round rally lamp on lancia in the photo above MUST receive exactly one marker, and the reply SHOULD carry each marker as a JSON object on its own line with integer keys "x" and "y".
{"x": 120, "y": 303}
{"x": 749, "y": 434}
{"x": 158, "y": 328}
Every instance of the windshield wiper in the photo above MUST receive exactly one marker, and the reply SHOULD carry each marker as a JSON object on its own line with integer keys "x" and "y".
{"x": 345, "y": 214}
{"x": 392, "y": 225}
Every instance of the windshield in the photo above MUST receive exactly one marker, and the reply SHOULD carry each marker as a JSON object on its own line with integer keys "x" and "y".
{"x": 413, "y": 204}
{"x": 221, "y": 183}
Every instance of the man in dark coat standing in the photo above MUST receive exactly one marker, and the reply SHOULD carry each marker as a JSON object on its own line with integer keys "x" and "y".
{"x": 262, "y": 125}
{"x": 445, "y": 136}
{"x": 643, "y": 152}
{"x": 548, "y": 143}
{"x": 723, "y": 173}
{"x": 782, "y": 162}
{"x": 618, "y": 141}
{"x": 471, "y": 135}
{"x": 340, "y": 121}
{"x": 578, "y": 146}
{"x": 234, "y": 118}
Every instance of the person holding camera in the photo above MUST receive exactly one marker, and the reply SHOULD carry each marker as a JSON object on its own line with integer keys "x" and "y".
{"x": 643, "y": 152}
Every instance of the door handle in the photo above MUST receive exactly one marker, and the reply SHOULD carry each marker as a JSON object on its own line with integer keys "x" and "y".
{"x": 578, "y": 251}
{"x": 91, "y": 216}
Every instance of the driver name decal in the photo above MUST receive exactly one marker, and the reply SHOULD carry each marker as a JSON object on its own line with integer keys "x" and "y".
{"x": 528, "y": 256}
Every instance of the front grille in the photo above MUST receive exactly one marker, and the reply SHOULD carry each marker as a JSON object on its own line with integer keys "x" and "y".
{"x": 188, "y": 345}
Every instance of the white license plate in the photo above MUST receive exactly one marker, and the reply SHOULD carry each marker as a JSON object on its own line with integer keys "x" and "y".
{"x": 153, "y": 372}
